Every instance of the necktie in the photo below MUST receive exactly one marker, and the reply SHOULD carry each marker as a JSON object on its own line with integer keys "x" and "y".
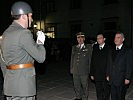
{"x": 79, "y": 46}
{"x": 100, "y": 48}
{"x": 117, "y": 48}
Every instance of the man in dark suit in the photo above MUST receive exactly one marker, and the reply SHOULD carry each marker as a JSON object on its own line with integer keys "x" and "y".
{"x": 98, "y": 68}
{"x": 119, "y": 68}
{"x": 79, "y": 66}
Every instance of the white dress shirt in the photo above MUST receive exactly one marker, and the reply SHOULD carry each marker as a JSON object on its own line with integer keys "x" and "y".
{"x": 101, "y": 46}
{"x": 119, "y": 47}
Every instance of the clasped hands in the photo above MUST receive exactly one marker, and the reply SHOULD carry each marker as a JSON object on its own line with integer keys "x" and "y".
{"x": 107, "y": 78}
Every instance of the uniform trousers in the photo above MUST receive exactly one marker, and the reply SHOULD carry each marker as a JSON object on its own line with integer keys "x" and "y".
{"x": 20, "y": 98}
{"x": 81, "y": 86}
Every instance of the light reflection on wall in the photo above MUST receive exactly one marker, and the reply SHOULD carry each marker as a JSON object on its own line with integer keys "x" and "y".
{"x": 41, "y": 26}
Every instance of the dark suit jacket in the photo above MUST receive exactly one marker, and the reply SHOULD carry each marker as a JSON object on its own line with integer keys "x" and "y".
{"x": 120, "y": 65}
{"x": 99, "y": 62}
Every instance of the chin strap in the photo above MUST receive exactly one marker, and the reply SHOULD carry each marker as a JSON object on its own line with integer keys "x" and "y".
{"x": 28, "y": 20}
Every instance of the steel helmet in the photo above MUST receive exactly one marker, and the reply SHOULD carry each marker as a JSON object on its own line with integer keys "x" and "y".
{"x": 20, "y": 7}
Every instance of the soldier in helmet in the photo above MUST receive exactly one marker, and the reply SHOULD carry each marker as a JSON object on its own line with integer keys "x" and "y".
{"x": 79, "y": 66}
{"x": 19, "y": 50}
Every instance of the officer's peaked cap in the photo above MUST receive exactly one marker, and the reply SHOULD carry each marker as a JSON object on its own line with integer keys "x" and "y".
{"x": 80, "y": 34}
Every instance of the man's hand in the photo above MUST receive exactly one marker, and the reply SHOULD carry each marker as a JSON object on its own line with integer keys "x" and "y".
{"x": 92, "y": 77}
{"x": 107, "y": 78}
{"x": 127, "y": 82}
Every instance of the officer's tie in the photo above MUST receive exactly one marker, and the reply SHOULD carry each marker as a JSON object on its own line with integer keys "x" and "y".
{"x": 80, "y": 46}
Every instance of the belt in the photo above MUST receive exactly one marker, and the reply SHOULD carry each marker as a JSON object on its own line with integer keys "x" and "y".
{"x": 20, "y": 66}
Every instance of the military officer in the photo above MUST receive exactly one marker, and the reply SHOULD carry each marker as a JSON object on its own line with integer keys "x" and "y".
{"x": 19, "y": 51}
{"x": 79, "y": 66}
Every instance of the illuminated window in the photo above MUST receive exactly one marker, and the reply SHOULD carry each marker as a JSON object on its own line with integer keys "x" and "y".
{"x": 50, "y": 32}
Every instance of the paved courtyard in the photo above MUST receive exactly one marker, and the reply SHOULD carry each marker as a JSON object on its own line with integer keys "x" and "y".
{"x": 56, "y": 83}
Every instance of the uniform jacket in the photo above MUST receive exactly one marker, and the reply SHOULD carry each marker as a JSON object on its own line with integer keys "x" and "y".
{"x": 120, "y": 65}
{"x": 98, "y": 66}
{"x": 18, "y": 47}
{"x": 80, "y": 59}
{"x": 2, "y": 64}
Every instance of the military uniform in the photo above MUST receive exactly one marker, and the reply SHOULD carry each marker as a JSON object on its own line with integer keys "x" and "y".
{"x": 79, "y": 67}
{"x": 2, "y": 65}
{"x": 18, "y": 47}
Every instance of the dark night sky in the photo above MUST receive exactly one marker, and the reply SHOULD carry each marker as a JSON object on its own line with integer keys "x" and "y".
{"x": 5, "y": 17}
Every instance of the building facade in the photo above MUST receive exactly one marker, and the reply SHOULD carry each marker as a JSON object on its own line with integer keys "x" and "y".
{"x": 64, "y": 18}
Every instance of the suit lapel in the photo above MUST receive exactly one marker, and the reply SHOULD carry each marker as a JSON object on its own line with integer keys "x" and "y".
{"x": 117, "y": 54}
{"x": 78, "y": 48}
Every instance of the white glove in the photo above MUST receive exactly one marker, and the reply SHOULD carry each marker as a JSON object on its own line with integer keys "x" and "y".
{"x": 40, "y": 37}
